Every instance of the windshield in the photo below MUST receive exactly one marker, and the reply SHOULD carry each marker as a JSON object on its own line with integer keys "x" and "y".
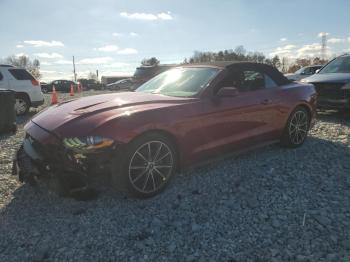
{"x": 182, "y": 82}
{"x": 338, "y": 65}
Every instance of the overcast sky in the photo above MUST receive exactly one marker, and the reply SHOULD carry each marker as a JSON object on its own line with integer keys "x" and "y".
{"x": 114, "y": 36}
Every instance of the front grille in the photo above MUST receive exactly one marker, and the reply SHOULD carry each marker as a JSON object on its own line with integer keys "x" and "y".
{"x": 330, "y": 90}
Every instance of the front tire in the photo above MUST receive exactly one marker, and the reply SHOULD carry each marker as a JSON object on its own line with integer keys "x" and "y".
{"x": 147, "y": 166}
{"x": 297, "y": 128}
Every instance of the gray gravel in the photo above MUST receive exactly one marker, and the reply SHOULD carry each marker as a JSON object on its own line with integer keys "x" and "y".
{"x": 272, "y": 204}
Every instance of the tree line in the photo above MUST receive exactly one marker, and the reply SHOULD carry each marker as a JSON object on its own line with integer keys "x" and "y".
{"x": 240, "y": 54}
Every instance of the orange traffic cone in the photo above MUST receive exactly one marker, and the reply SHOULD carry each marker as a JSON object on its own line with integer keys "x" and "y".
{"x": 71, "y": 90}
{"x": 54, "y": 98}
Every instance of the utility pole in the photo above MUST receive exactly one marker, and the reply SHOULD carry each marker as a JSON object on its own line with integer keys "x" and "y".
{"x": 97, "y": 74}
{"x": 75, "y": 75}
{"x": 324, "y": 46}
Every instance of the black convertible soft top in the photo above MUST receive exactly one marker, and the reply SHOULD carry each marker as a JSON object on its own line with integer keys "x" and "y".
{"x": 276, "y": 75}
{"x": 273, "y": 72}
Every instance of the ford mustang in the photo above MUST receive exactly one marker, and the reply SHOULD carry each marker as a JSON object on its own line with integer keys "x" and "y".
{"x": 181, "y": 116}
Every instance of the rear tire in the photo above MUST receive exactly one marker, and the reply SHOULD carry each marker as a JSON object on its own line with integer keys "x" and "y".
{"x": 146, "y": 166}
{"x": 297, "y": 128}
{"x": 22, "y": 105}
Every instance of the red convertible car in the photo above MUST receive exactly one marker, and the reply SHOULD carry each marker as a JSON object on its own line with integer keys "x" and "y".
{"x": 179, "y": 117}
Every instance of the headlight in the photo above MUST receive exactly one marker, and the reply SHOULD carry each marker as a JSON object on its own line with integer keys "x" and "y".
{"x": 346, "y": 86}
{"x": 87, "y": 144}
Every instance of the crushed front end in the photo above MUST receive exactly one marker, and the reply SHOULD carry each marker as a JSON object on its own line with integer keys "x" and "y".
{"x": 63, "y": 164}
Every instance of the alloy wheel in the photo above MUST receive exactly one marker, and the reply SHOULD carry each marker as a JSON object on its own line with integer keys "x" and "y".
{"x": 150, "y": 166}
{"x": 298, "y": 127}
{"x": 20, "y": 106}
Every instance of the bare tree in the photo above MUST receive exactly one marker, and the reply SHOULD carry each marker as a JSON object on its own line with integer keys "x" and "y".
{"x": 92, "y": 76}
{"x": 24, "y": 62}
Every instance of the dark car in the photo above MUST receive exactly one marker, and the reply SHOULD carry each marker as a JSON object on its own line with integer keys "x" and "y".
{"x": 332, "y": 84}
{"x": 181, "y": 116}
{"x": 89, "y": 84}
{"x": 60, "y": 86}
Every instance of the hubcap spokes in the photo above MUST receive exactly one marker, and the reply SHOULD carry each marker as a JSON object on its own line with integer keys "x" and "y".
{"x": 150, "y": 166}
{"x": 298, "y": 127}
{"x": 20, "y": 106}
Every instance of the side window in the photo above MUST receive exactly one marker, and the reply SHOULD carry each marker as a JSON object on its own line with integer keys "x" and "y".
{"x": 307, "y": 71}
{"x": 21, "y": 74}
{"x": 313, "y": 70}
{"x": 247, "y": 80}
{"x": 1, "y": 77}
{"x": 252, "y": 80}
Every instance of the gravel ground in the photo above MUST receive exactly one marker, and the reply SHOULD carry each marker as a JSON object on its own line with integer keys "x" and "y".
{"x": 271, "y": 204}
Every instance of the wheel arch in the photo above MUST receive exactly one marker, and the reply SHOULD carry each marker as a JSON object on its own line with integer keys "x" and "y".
{"x": 23, "y": 94}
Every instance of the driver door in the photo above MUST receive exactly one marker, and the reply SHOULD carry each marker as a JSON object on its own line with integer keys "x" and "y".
{"x": 240, "y": 121}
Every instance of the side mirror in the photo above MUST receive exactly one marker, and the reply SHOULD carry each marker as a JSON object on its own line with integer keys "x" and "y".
{"x": 227, "y": 92}
{"x": 318, "y": 70}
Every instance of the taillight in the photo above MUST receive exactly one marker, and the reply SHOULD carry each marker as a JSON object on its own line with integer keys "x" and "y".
{"x": 35, "y": 82}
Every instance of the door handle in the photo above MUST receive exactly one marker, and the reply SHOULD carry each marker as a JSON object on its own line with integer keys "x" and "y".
{"x": 266, "y": 101}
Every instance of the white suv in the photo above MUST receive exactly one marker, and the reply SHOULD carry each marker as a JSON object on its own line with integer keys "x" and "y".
{"x": 27, "y": 88}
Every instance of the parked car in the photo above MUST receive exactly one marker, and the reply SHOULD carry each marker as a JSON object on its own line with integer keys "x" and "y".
{"x": 27, "y": 88}
{"x": 121, "y": 84}
{"x": 60, "y": 86}
{"x": 332, "y": 84}
{"x": 303, "y": 72}
{"x": 177, "y": 118}
{"x": 89, "y": 84}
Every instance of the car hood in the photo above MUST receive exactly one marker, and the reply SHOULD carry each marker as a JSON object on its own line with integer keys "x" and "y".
{"x": 331, "y": 77}
{"x": 87, "y": 113}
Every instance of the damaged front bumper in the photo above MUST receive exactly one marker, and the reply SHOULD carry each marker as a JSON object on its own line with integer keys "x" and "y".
{"x": 32, "y": 168}
{"x": 60, "y": 169}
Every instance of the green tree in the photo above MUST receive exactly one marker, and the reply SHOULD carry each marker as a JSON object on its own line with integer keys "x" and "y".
{"x": 153, "y": 61}
{"x": 276, "y": 61}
